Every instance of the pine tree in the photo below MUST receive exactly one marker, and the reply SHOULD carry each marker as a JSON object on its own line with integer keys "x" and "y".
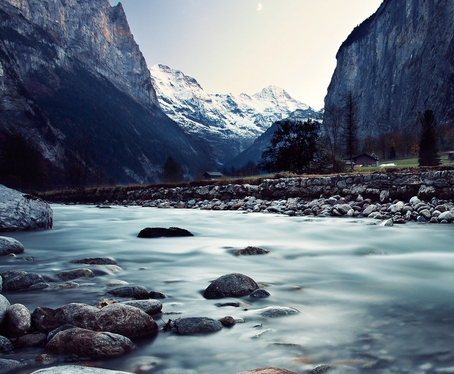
{"x": 172, "y": 171}
{"x": 350, "y": 128}
{"x": 428, "y": 149}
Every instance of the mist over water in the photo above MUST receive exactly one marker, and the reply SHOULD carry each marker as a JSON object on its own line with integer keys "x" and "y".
{"x": 371, "y": 298}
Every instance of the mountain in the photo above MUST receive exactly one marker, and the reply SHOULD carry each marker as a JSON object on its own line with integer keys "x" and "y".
{"x": 254, "y": 152}
{"x": 227, "y": 124}
{"x": 75, "y": 85}
{"x": 398, "y": 63}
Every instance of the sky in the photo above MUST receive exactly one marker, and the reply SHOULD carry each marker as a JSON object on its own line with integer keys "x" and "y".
{"x": 243, "y": 46}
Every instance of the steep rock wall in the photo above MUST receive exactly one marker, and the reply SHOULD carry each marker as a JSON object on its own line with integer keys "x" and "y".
{"x": 398, "y": 63}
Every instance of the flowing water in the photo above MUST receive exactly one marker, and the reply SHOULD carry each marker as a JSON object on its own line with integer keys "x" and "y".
{"x": 372, "y": 299}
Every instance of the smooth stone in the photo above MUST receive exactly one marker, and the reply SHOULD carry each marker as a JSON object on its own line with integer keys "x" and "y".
{"x": 5, "y": 344}
{"x": 148, "y": 306}
{"x": 23, "y": 281}
{"x": 10, "y": 245}
{"x": 87, "y": 343}
{"x": 159, "y": 232}
{"x": 68, "y": 275}
{"x": 195, "y": 325}
{"x": 259, "y": 294}
{"x": 17, "y": 320}
{"x": 7, "y": 366}
{"x": 31, "y": 340}
{"x": 135, "y": 292}
{"x": 228, "y": 285}
{"x": 277, "y": 311}
{"x": 228, "y": 321}
{"x": 4, "y": 304}
{"x": 74, "y": 369}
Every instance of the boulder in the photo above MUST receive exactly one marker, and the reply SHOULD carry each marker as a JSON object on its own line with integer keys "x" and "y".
{"x": 17, "y": 320}
{"x": 229, "y": 285}
{"x": 46, "y": 319}
{"x": 259, "y": 294}
{"x": 68, "y": 275}
{"x": 268, "y": 370}
{"x": 74, "y": 369}
{"x": 10, "y": 246}
{"x": 159, "y": 232}
{"x": 19, "y": 281}
{"x": 87, "y": 343}
{"x": 135, "y": 292}
{"x": 8, "y": 366}
{"x": 195, "y": 325}
{"x": 23, "y": 212}
{"x": 4, "y": 304}
{"x": 31, "y": 340}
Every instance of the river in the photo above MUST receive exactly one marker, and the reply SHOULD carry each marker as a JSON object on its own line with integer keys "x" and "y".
{"x": 371, "y": 298}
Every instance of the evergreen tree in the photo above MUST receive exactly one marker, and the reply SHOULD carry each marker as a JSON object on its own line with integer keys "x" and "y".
{"x": 293, "y": 147}
{"x": 428, "y": 149}
{"x": 350, "y": 128}
{"x": 172, "y": 171}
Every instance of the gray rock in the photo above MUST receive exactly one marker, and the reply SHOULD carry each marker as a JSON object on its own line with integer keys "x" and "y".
{"x": 23, "y": 212}
{"x": 387, "y": 223}
{"x": 23, "y": 281}
{"x": 342, "y": 208}
{"x": 277, "y": 311}
{"x": 229, "y": 285}
{"x": 369, "y": 209}
{"x": 251, "y": 251}
{"x": 31, "y": 340}
{"x": 87, "y": 343}
{"x": 159, "y": 232}
{"x": 448, "y": 216}
{"x": 96, "y": 261}
{"x": 10, "y": 245}
{"x": 4, "y": 304}
{"x": 5, "y": 344}
{"x": 268, "y": 370}
{"x": 7, "y": 366}
{"x": 17, "y": 320}
{"x": 259, "y": 294}
{"x": 46, "y": 319}
{"x": 228, "y": 321}
{"x": 135, "y": 292}
{"x": 74, "y": 369}
{"x": 74, "y": 274}
{"x": 195, "y": 325}
{"x": 148, "y": 306}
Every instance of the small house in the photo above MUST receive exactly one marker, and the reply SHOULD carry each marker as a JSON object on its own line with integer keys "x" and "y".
{"x": 365, "y": 160}
{"x": 211, "y": 175}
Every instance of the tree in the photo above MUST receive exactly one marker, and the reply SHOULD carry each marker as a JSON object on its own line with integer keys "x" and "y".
{"x": 332, "y": 121}
{"x": 350, "y": 128}
{"x": 293, "y": 146}
{"x": 172, "y": 171}
{"x": 428, "y": 149}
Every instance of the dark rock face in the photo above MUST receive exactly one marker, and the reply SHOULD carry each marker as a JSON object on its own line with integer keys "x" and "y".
{"x": 397, "y": 63}
{"x": 195, "y": 325}
{"x": 159, "y": 232}
{"x": 84, "y": 77}
{"x": 87, "y": 343}
{"x": 228, "y": 285}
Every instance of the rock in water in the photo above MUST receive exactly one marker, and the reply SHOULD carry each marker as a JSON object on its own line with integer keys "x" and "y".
{"x": 10, "y": 245}
{"x": 75, "y": 369}
{"x": 159, "y": 232}
{"x": 23, "y": 212}
{"x": 87, "y": 343}
{"x": 228, "y": 285}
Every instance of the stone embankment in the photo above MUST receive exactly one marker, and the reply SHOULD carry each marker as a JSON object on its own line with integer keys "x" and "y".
{"x": 424, "y": 196}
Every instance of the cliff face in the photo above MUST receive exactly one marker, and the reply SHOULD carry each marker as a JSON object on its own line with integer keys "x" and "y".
{"x": 74, "y": 83}
{"x": 398, "y": 63}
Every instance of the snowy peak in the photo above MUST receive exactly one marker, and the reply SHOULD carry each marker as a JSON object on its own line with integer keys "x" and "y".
{"x": 228, "y": 123}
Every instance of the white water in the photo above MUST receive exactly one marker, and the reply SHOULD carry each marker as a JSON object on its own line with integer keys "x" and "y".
{"x": 368, "y": 295}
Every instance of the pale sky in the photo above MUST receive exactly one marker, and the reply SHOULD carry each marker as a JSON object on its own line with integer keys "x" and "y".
{"x": 236, "y": 46}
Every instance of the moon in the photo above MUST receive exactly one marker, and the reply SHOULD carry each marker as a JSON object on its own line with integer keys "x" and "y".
{"x": 259, "y": 7}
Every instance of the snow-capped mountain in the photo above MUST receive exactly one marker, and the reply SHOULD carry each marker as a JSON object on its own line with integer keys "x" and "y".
{"x": 226, "y": 123}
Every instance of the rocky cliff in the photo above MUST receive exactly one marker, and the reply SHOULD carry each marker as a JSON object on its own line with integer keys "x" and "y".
{"x": 398, "y": 63}
{"x": 74, "y": 83}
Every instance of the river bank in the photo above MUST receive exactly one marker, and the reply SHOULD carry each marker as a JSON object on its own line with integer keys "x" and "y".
{"x": 416, "y": 195}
